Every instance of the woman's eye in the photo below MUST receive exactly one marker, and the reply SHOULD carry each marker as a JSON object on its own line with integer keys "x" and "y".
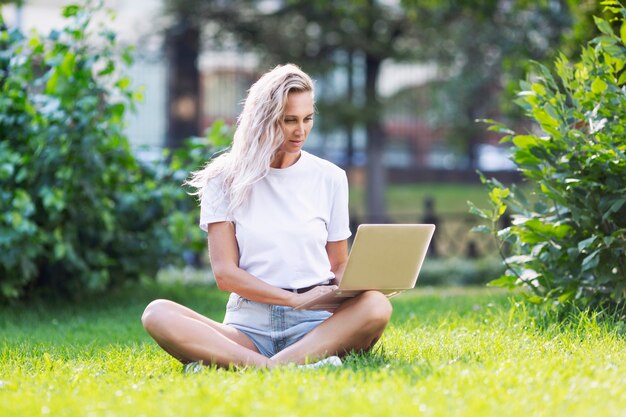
{"x": 306, "y": 119}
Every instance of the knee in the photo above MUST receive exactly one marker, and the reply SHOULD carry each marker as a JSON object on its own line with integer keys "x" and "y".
{"x": 154, "y": 314}
{"x": 376, "y": 307}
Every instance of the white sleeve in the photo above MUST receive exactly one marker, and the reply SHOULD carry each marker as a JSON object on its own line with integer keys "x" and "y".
{"x": 339, "y": 221}
{"x": 213, "y": 206}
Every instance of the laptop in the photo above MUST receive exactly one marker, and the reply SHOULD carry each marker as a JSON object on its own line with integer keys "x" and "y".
{"x": 383, "y": 257}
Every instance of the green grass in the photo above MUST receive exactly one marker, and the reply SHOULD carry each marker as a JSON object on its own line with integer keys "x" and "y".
{"x": 408, "y": 199}
{"x": 447, "y": 352}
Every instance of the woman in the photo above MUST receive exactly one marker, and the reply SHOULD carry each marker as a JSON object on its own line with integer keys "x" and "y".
{"x": 277, "y": 223}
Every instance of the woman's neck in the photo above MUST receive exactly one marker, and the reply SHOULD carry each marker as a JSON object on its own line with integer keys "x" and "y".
{"x": 284, "y": 159}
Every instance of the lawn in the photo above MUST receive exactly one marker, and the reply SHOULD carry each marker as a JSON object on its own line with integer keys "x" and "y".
{"x": 447, "y": 352}
{"x": 405, "y": 201}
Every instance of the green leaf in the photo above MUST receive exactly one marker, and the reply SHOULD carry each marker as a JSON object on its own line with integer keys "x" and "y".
{"x": 615, "y": 207}
{"x": 478, "y": 212}
{"x": 123, "y": 83}
{"x": 615, "y": 51}
{"x": 608, "y": 240}
{"x": 524, "y": 157}
{"x": 598, "y": 86}
{"x": 567, "y": 296}
{"x": 53, "y": 81}
{"x": 71, "y": 10}
{"x": 505, "y": 235}
{"x": 34, "y": 42}
{"x": 138, "y": 95}
{"x": 497, "y": 194}
{"x": 505, "y": 281}
{"x": 547, "y": 229}
{"x": 481, "y": 229}
{"x": 561, "y": 231}
{"x": 584, "y": 244}
{"x": 605, "y": 40}
{"x": 67, "y": 66}
{"x": 539, "y": 89}
{"x": 544, "y": 118}
{"x": 619, "y": 64}
{"x": 535, "y": 299}
{"x": 591, "y": 261}
{"x": 530, "y": 237}
{"x": 622, "y": 32}
{"x": 519, "y": 259}
{"x": 108, "y": 69}
{"x": 525, "y": 141}
{"x": 500, "y": 128}
{"x": 118, "y": 110}
{"x": 127, "y": 56}
{"x": 603, "y": 26}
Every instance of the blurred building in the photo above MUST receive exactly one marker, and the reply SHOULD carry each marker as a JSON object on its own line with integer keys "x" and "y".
{"x": 225, "y": 77}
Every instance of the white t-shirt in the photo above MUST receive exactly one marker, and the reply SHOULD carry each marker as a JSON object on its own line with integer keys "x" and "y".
{"x": 283, "y": 228}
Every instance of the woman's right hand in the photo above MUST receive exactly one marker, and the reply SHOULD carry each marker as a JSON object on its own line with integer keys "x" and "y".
{"x": 298, "y": 299}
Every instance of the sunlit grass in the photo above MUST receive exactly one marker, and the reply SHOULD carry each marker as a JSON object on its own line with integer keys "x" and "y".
{"x": 406, "y": 201}
{"x": 472, "y": 352}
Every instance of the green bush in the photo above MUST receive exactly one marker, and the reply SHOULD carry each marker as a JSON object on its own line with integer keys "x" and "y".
{"x": 173, "y": 170}
{"x": 77, "y": 211}
{"x": 567, "y": 242}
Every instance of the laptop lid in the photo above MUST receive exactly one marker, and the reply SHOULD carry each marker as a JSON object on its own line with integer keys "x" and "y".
{"x": 386, "y": 256}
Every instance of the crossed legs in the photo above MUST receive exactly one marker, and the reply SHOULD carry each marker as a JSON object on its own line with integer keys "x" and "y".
{"x": 189, "y": 336}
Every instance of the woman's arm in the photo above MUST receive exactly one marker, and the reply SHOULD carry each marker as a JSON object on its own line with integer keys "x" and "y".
{"x": 338, "y": 257}
{"x": 224, "y": 255}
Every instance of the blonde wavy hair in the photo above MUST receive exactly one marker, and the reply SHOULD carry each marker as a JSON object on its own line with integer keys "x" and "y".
{"x": 257, "y": 138}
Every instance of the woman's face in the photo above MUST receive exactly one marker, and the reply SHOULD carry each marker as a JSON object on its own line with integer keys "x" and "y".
{"x": 297, "y": 121}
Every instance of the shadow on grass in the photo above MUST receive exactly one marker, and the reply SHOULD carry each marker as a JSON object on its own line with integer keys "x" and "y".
{"x": 377, "y": 362}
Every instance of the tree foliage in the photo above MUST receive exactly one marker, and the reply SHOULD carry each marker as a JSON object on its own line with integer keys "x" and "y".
{"x": 77, "y": 211}
{"x": 568, "y": 240}
{"x": 481, "y": 48}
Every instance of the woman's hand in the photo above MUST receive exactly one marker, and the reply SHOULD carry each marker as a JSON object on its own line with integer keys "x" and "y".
{"x": 297, "y": 299}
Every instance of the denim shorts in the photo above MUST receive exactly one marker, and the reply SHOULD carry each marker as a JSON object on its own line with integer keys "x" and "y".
{"x": 272, "y": 328}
